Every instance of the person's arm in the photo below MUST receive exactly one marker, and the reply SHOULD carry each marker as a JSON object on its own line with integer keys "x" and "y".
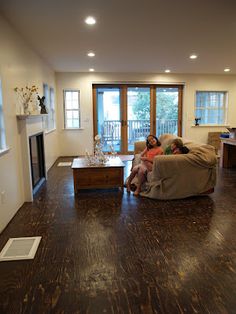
{"x": 143, "y": 156}
{"x": 177, "y": 151}
{"x": 143, "y": 153}
{"x": 150, "y": 159}
{"x": 147, "y": 159}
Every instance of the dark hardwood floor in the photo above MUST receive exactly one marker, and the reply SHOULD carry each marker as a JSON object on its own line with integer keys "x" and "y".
{"x": 108, "y": 252}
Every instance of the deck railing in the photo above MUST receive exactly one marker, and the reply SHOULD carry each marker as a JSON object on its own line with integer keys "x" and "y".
{"x": 137, "y": 130}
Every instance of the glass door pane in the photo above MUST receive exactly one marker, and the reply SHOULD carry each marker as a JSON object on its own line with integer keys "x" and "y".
{"x": 108, "y": 117}
{"x": 167, "y": 110}
{"x": 138, "y": 115}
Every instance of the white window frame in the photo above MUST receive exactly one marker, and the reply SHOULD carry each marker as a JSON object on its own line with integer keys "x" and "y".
{"x": 209, "y": 108}
{"x": 74, "y": 109}
{"x": 3, "y": 146}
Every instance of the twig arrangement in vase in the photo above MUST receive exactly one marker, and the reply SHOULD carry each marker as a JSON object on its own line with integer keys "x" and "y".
{"x": 27, "y": 96}
{"x": 98, "y": 158}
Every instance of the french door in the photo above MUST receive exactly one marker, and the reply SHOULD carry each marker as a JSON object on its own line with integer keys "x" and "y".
{"x": 108, "y": 122}
{"x": 126, "y": 113}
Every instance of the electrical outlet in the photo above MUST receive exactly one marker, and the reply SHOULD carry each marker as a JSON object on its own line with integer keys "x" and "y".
{"x": 3, "y": 197}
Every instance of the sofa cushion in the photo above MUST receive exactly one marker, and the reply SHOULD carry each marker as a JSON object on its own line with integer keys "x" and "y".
{"x": 139, "y": 147}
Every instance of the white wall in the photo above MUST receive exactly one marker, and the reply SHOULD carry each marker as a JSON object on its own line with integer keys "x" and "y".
{"x": 19, "y": 65}
{"x": 74, "y": 142}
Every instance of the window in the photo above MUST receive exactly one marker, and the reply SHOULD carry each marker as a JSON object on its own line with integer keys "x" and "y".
{"x": 46, "y": 95}
{"x": 71, "y": 109}
{"x": 46, "y": 102}
{"x": 50, "y": 105}
{"x": 211, "y": 107}
{"x": 51, "y": 110}
{"x": 2, "y": 128}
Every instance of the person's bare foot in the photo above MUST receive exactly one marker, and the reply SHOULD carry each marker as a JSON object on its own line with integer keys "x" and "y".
{"x": 136, "y": 192}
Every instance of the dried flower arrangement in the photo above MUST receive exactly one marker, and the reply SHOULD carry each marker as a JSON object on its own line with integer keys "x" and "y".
{"x": 27, "y": 97}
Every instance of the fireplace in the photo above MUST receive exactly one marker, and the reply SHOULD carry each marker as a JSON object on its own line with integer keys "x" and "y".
{"x": 37, "y": 162}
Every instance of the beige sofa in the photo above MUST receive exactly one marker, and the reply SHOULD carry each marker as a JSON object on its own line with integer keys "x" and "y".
{"x": 180, "y": 176}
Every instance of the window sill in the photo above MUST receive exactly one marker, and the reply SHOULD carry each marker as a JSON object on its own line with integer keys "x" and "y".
{"x": 49, "y": 131}
{"x": 4, "y": 151}
{"x": 72, "y": 129}
{"x": 210, "y": 126}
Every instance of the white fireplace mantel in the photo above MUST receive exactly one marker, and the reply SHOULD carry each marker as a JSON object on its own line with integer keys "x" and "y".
{"x": 28, "y": 125}
{"x": 30, "y": 116}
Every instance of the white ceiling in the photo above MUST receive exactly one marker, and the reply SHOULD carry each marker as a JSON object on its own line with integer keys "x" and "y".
{"x": 130, "y": 35}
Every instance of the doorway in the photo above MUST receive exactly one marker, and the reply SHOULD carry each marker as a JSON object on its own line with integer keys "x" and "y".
{"x": 126, "y": 113}
{"x": 108, "y": 117}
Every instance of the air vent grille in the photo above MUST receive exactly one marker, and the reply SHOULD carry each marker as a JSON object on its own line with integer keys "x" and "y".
{"x": 20, "y": 248}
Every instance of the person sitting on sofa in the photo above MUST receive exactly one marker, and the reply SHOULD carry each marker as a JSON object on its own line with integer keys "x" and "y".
{"x": 152, "y": 149}
{"x": 176, "y": 147}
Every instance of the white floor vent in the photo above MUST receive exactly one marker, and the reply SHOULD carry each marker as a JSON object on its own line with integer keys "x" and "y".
{"x": 20, "y": 248}
{"x": 64, "y": 164}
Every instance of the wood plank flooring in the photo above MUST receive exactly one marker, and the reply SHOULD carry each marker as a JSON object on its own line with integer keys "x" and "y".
{"x": 107, "y": 252}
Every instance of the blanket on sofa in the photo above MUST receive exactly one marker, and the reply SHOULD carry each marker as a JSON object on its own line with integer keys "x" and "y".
{"x": 180, "y": 176}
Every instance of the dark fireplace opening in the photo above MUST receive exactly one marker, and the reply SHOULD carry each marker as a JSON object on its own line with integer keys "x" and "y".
{"x": 37, "y": 161}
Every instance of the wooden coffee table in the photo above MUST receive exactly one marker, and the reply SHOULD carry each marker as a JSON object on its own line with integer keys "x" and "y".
{"x": 109, "y": 175}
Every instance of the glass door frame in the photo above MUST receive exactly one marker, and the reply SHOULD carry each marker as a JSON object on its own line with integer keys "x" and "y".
{"x": 124, "y": 110}
{"x": 122, "y": 113}
{"x": 180, "y": 88}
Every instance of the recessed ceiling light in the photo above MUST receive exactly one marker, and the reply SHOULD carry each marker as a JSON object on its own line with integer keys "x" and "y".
{"x": 91, "y": 70}
{"x": 91, "y": 54}
{"x": 193, "y": 56}
{"x": 167, "y": 71}
{"x": 227, "y": 69}
{"x": 90, "y": 20}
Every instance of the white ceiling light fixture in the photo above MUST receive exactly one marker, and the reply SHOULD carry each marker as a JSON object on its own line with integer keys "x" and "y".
{"x": 90, "y": 20}
{"x": 227, "y": 69}
{"x": 91, "y": 54}
{"x": 193, "y": 56}
{"x": 91, "y": 70}
{"x": 167, "y": 71}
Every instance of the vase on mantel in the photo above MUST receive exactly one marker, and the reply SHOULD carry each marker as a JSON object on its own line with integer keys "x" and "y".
{"x": 26, "y": 108}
